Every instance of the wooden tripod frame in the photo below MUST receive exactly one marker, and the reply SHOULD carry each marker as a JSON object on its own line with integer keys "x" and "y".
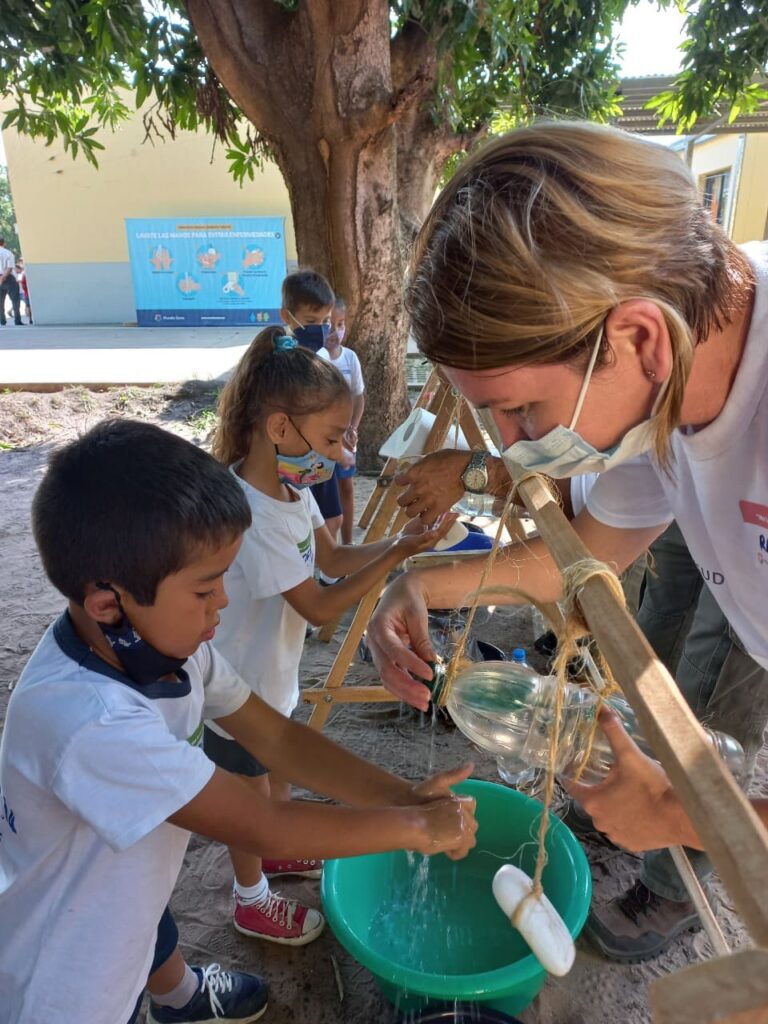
{"x": 727, "y": 990}
{"x": 384, "y": 518}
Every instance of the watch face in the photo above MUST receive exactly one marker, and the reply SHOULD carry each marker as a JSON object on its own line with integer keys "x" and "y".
{"x": 475, "y": 479}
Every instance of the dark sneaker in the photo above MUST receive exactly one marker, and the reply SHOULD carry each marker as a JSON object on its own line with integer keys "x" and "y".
{"x": 224, "y": 997}
{"x": 639, "y": 924}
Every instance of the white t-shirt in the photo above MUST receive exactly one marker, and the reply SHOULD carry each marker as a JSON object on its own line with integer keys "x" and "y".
{"x": 349, "y": 365}
{"x": 718, "y": 490}
{"x": 260, "y": 634}
{"x": 7, "y": 262}
{"x": 91, "y": 766}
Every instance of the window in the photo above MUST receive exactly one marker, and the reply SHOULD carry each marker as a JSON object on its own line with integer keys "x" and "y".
{"x": 715, "y": 189}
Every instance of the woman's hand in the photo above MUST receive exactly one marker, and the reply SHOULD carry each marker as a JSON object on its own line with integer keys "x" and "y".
{"x": 398, "y": 639}
{"x": 433, "y": 484}
{"x": 635, "y": 806}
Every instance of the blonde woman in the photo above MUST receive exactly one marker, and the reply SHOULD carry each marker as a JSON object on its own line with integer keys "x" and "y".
{"x": 569, "y": 281}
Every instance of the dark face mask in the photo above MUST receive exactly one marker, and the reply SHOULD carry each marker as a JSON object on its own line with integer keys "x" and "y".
{"x": 312, "y": 336}
{"x": 142, "y": 662}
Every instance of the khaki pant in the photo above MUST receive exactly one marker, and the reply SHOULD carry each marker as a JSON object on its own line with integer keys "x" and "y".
{"x": 726, "y": 689}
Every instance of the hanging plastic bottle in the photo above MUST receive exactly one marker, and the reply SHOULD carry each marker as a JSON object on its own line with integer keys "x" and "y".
{"x": 513, "y": 770}
{"x": 507, "y": 709}
{"x": 601, "y": 756}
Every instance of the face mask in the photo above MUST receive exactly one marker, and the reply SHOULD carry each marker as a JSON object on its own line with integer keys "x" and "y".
{"x": 142, "y": 662}
{"x": 311, "y": 336}
{"x": 304, "y": 470}
{"x": 563, "y": 453}
{"x": 340, "y": 332}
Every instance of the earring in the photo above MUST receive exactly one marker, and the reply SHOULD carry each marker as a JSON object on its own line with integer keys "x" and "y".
{"x": 651, "y": 374}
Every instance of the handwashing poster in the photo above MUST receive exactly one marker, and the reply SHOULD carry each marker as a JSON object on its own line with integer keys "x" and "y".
{"x": 207, "y": 272}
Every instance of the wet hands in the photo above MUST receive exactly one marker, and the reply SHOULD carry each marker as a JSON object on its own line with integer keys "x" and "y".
{"x": 433, "y": 484}
{"x": 447, "y": 825}
{"x": 635, "y": 805}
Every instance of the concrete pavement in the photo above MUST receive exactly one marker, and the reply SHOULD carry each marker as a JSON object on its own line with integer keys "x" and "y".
{"x": 31, "y": 355}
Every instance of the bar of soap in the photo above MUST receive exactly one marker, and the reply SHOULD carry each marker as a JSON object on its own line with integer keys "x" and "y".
{"x": 455, "y": 535}
{"x": 537, "y": 921}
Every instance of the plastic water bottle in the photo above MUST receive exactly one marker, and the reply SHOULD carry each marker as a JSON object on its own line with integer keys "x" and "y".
{"x": 511, "y": 769}
{"x": 476, "y": 505}
{"x": 601, "y": 756}
{"x": 507, "y": 709}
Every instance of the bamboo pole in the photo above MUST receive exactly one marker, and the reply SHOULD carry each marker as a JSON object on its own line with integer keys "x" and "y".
{"x": 427, "y": 398}
{"x": 378, "y": 529}
{"x": 436, "y": 402}
{"x": 731, "y": 832}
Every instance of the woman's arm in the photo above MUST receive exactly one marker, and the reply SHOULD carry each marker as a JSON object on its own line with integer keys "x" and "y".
{"x": 397, "y": 633}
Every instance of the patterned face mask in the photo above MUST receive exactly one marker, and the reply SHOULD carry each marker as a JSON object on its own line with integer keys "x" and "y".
{"x": 304, "y": 470}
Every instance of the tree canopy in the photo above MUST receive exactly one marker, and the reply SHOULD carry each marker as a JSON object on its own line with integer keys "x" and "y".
{"x": 65, "y": 66}
{"x": 360, "y": 102}
{"x": 7, "y": 215}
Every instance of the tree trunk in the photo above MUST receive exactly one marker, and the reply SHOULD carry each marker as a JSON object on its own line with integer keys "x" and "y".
{"x": 329, "y": 91}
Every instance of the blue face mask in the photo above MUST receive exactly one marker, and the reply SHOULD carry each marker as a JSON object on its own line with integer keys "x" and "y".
{"x": 304, "y": 470}
{"x": 311, "y": 336}
{"x": 142, "y": 662}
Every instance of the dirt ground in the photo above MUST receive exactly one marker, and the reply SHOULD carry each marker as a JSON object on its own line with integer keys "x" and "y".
{"x": 303, "y": 984}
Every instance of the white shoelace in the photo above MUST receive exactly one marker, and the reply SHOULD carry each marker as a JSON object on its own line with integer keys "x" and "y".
{"x": 215, "y": 980}
{"x": 279, "y": 909}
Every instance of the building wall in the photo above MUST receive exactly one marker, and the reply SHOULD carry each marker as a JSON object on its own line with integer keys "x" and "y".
{"x": 749, "y": 178}
{"x": 71, "y": 215}
{"x": 751, "y": 215}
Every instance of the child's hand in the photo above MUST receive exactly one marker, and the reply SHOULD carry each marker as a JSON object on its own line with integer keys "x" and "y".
{"x": 415, "y": 537}
{"x": 447, "y": 826}
{"x": 438, "y": 786}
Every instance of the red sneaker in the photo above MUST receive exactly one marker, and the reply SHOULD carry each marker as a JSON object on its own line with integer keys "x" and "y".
{"x": 280, "y": 920}
{"x": 305, "y": 868}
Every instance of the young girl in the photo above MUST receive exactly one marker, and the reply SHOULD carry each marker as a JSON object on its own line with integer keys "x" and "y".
{"x": 283, "y": 416}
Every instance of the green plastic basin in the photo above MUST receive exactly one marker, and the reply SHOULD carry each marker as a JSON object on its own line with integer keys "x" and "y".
{"x": 429, "y": 929}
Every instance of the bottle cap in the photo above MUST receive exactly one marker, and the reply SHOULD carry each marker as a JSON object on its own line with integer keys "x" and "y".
{"x": 519, "y": 654}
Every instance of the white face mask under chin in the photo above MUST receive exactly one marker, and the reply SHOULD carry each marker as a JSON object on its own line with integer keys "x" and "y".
{"x": 563, "y": 452}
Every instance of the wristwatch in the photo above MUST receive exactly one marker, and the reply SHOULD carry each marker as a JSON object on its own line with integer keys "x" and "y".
{"x": 475, "y": 476}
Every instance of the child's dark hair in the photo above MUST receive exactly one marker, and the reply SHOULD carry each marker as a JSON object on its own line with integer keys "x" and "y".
{"x": 266, "y": 380}
{"x": 129, "y": 503}
{"x": 306, "y": 288}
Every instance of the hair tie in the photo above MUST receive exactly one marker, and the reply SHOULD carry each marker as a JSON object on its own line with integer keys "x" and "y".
{"x": 284, "y": 343}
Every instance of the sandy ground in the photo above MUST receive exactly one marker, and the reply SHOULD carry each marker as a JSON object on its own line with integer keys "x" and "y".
{"x": 303, "y": 985}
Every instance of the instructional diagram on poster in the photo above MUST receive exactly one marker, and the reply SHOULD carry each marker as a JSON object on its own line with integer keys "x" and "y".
{"x": 207, "y": 272}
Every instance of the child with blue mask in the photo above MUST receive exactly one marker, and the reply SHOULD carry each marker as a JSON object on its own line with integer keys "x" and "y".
{"x": 307, "y": 306}
{"x": 282, "y": 420}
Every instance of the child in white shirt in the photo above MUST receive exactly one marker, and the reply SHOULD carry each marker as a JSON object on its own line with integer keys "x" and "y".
{"x": 102, "y": 776}
{"x": 345, "y": 360}
{"x": 283, "y": 416}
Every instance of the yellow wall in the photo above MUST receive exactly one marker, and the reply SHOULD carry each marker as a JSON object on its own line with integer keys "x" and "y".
{"x": 720, "y": 153}
{"x": 751, "y": 220}
{"x": 71, "y": 212}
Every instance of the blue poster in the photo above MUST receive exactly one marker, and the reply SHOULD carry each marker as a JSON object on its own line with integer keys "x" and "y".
{"x": 207, "y": 271}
